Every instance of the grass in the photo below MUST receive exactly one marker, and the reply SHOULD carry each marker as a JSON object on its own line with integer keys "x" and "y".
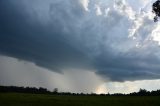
{"x": 19, "y": 99}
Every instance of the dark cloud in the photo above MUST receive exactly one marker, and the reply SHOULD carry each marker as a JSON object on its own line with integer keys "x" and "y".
{"x": 29, "y": 40}
{"x": 63, "y": 35}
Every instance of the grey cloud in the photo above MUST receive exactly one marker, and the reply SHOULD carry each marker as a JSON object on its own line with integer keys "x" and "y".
{"x": 23, "y": 73}
{"x": 45, "y": 46}
{"x": 71, "y": 37}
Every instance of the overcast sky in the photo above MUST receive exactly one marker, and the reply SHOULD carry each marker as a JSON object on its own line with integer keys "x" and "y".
{"x": 80, "y": 45}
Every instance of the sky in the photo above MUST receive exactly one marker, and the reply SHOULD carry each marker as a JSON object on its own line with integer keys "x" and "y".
{"x": 85, "y": 46}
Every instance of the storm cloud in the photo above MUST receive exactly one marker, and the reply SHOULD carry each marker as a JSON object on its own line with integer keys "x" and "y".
{"x": 109, "y": 38}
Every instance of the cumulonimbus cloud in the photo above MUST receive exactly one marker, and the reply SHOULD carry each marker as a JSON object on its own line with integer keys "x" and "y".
{"x": 64, "y": 34}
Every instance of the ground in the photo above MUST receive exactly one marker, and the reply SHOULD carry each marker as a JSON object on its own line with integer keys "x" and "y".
{"x": 20, "y": 99}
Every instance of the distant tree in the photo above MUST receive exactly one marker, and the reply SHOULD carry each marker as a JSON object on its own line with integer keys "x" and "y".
{"x": 42, "y": 90}
{"x": 55, "y": 90}
{"x": 143, "y": 92}
{"x": 156, "y": 10}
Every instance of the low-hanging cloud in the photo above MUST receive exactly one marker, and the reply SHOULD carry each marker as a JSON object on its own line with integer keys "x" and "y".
{"x": 117, "y": 43}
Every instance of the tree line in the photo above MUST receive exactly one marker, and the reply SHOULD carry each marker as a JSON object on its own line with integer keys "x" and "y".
{"x": 34, "y": 90}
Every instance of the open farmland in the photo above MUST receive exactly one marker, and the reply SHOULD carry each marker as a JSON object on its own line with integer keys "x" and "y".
{"x": 21, "y": 99}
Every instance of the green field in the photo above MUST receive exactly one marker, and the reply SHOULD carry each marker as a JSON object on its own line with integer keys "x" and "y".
{"x": 19, "y": 99}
